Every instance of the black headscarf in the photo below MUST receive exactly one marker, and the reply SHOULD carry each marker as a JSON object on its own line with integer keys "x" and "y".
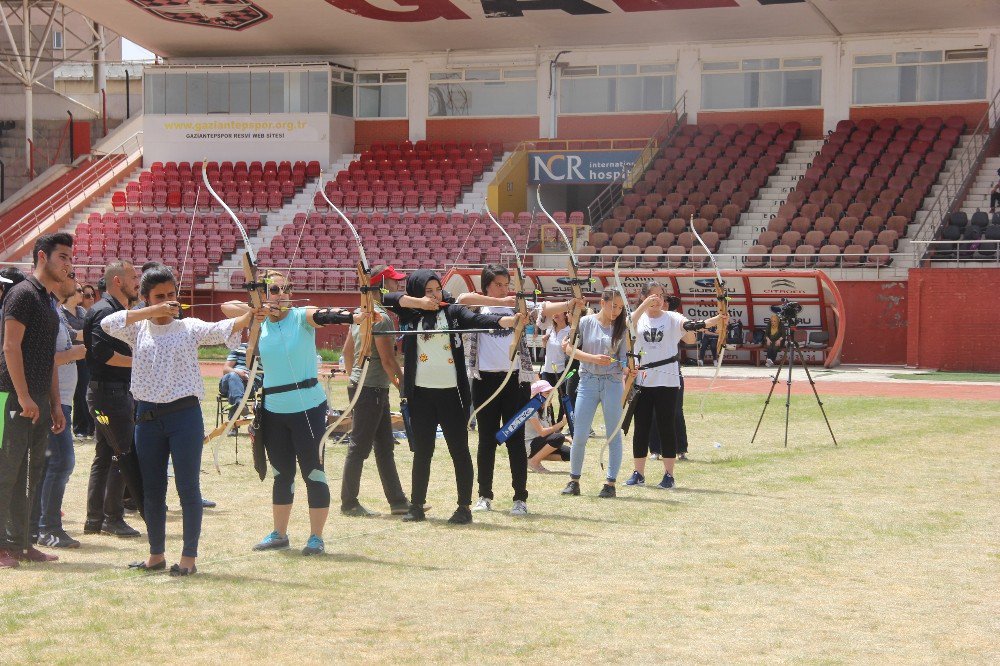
{"x": 416, "y": 286}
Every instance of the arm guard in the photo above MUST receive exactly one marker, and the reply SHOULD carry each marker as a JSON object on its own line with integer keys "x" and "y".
{"x": 694, "y": 325}
{"x": 327, "y": 316}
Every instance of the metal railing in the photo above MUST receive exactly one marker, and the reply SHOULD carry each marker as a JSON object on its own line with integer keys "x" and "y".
{"x": 946, "y": 253}
{"x": 968, "y": 163}
{"x": 609, "y": 197}
{"x": 86, "y": 183}
{"x": 886, "y": 265}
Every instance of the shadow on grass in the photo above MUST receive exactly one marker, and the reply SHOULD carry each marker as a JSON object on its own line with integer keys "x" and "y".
{"x": 712, "y": 491}
{"x": 497, "y": 527}
{"x": 352, "y": 558}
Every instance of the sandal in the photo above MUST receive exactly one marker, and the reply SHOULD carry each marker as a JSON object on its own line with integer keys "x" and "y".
{"x": 142, "y": 566}
{"x": 178, "y": 570}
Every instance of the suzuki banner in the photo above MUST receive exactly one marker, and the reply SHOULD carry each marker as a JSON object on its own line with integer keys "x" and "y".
{"x": 581, "y": 167}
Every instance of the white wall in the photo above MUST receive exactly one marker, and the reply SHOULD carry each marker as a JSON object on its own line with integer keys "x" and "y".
{"x": 341, "y": 138}
{"x": 837, "y": 54}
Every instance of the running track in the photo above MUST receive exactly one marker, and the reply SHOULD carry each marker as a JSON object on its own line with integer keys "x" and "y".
{"x": 800, "y": 386}
{"x": 897, "y": 389}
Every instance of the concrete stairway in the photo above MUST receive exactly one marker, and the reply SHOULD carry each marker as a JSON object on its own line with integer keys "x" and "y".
{"x": 763, "y": 209}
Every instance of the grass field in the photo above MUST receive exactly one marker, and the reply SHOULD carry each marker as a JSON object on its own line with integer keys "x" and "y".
{"x": 885, "y": 549}
{"x": 949, "y": 376}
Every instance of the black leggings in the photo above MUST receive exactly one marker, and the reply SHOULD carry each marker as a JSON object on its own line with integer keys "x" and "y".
{"x": 428, "y": 409}
{"x": 291, "y": 436}
{"x": 489, "y": 420}
{"x": 661, "y": 402}
{"x": 556, "y": 440}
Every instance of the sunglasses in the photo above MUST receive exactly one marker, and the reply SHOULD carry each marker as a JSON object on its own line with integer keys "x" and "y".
{"x": 275, "y": 289}
{"x": 79, "y": 291}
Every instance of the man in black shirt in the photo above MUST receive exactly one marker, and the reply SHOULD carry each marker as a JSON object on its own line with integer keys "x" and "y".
{"x": 110, "y": 364}
{"x": 29, "y": 393}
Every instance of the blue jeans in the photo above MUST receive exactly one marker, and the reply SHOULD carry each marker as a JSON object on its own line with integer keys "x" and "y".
{"x": 61, "y": 461}
{"x": 176, "y": 436}
{"x": 594, "y": 390}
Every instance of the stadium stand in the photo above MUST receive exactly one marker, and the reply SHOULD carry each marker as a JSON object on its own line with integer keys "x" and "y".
{"x": 860, "y": 194}
{"x": 709, "y": 173}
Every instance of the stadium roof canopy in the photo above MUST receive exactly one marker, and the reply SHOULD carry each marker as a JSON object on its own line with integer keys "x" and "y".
{"x": 229, "y": 28}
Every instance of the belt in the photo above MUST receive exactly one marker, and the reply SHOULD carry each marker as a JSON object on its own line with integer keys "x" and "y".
{"x": 101, "y": 384}
{"x": 284, "y": 388}
{"x": 168, "y": 408}
{"x": 656, "y": 364}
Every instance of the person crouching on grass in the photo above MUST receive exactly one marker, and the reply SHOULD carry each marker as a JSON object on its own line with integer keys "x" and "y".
{"x": 168, "y": 389}
{"x": 294, "y": 412}
{"x": 541, "y": 438}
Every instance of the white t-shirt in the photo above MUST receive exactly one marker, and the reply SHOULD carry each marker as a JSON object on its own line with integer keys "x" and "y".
{"x": 165, "y": 356}
{"x": 494, "y": 348}
{"x": 555, "y": 357}
{"x": 657, "y": 339}
{"x": 435, "y": 364}
{"x": 530, "y": 432}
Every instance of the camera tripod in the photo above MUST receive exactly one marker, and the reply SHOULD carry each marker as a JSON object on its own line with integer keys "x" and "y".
{"x": 792, "y": 351}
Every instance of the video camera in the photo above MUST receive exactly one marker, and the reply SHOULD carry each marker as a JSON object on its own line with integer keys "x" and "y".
{"x": 788, "y": 312}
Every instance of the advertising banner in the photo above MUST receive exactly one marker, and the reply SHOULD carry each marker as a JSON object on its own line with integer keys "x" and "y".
{"x": 286, "y": 136}
{"x": 581, "y": 167}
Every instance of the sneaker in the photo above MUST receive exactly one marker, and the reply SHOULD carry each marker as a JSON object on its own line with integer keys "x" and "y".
{"x": 655, "y": 456}
{"x": 119, "y": 528}
{"x": 520, "y": 508}
{"x": 58, "y": 540}
{"x": 8, "y": 561}
{"x": 682, "y": 456}
{"x": 314, "y": 546}
{"x": 358, "y": 511}
{"x": 462, "y": 516}
{"x": 272, "y": 541}
{"x": 607, "y": 491}
{"x": 207, "y": 503}
{"x": 92, "y": 527}
{"x": 414, "y": 515}
{"x": 35, "y": 555}
{"x": 700, "y": 363}
{"x": 769, "y": 363}
{"x": 667, "y": 482}
{"x": 636, "y": 479}
{"x": 484, "y": 504}
{"x": 572, "y": 488}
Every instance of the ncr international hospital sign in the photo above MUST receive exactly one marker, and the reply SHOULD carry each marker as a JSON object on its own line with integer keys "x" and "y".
{"x": 580, "y": 167}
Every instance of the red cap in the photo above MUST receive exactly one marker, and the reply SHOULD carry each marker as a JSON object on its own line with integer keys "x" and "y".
{"x": 387, "y": 272}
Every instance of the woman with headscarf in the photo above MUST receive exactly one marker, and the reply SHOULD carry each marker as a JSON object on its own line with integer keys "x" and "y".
{"x": 435, "y": 382}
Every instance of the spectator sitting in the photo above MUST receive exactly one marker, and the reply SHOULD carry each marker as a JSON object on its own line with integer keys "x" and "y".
{"x": 235, "y": 377}
{"x": 774, "y": 339}
{"x": 541, "y": 439}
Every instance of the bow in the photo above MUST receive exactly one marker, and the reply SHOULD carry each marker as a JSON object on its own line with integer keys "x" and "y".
{"x": 518, "y": 278}
{"x": 630, "y": 356}
{"x": 723, "y": 299}
{"x": 576, "y": 283}
{"x": 256, "y": 295}
{"x": 362, "y": 355}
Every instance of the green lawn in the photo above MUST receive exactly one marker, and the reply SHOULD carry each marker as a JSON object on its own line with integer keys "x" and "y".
{"x": 882, "y": 549}
{"x": 949, "y": 376}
